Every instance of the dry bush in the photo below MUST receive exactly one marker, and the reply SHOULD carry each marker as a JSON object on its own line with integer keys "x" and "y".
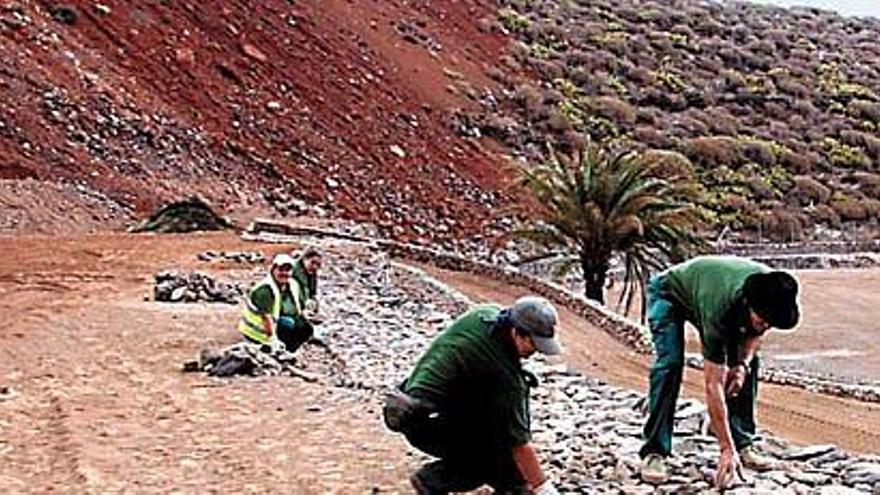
{"x": 789, "y": 86}
{"x": 776, "y": 111}
{"x": 550, "y": 69}
{"x": 652, "y": 138}
{"x": 867, "y": 110}
{"x": 782, "y": 225}
{"x": 869, "y": 183}
{"x": 807, "y": 191}
{"x": 849, "y": 208}
{"x": 651, "y": 116}
{"x": 760, "y": 152}
{"x": 557, "y": 123}
{"x": 690, "y": 123}
{"x": 762, "y": 47}
{"x": 721, "y": 121}
{"x": 668, "y": 164}
{"x": 527, "y": 96}
{"x": 712, "y": 151}
{"x": 805, "y": 108}
{"x": 863, "y": 140}
{"x": 824, "y": 214}
{"x": 872, "y": 207}
{"x": 640, "y": 75}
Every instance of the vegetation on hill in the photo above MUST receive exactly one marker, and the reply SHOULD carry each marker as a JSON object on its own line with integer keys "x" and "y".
{"x": 776, "y": 111}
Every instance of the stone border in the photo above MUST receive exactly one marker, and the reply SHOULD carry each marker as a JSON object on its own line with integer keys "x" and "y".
{"x": 631, "y": 334}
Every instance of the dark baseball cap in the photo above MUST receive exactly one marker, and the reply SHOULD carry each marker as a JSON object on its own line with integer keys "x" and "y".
{"x": 537, "y": 317}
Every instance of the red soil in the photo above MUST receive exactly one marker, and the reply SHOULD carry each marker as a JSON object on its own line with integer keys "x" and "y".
{"x": 149, "y": 102}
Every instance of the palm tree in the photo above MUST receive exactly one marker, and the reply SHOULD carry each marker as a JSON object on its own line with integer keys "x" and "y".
{"x": 596, "y": 203}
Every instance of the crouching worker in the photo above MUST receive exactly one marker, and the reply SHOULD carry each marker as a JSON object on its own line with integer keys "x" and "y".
{"x": 273, "y": 311}
{"x": 467, "y": 401}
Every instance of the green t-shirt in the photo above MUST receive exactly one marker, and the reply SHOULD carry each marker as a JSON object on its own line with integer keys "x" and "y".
{"x": 476, "y": 379}
{"x": 263, "y": 299}
{"x": 710, "y": 288}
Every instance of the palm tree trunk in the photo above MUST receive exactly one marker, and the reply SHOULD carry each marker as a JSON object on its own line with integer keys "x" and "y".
{"x": 594, "y": 279}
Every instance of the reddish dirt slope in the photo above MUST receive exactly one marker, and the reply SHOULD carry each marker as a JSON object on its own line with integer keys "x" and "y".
{"x": 343, "y": 103}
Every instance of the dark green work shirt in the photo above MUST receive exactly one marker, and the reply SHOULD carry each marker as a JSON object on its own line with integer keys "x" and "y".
{"x": 475, "y": 377}
{"x": 263, "y": 299}
{"x": 710, "y": 290}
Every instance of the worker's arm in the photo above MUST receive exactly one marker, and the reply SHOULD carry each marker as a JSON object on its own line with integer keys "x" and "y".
{"x": 728, "y": 462}
{"x": 526, "y": 460}
{"x": 269, "y": 325}
{"x": 749, "y": 349}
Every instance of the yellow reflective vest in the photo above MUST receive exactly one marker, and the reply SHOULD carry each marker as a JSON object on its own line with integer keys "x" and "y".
{"x": 251, "y": 322}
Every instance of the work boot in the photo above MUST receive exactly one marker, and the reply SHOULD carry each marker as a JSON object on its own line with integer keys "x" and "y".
{"x": 756, "y": 461}
{"x": 437, "y": 478}
{"x": 654, "y": 469}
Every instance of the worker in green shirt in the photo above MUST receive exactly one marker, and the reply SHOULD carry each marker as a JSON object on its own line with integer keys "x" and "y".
{"x": 732, "y": 302}
{"x": 277, "y": 308}
{"x": 467, "y": 401}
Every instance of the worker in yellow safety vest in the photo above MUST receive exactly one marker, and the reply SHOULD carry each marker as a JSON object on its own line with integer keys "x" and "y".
{"x": 273, "y": 311}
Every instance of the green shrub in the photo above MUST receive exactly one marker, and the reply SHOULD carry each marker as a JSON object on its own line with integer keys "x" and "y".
{"x": 845, "y": 156}
{"x": 513, "y": 21}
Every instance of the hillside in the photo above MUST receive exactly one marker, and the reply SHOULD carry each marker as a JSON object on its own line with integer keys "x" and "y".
{"x": 403, "y": 113}
{"x": 774, "y": 111}
{"x": 332, "y": 107}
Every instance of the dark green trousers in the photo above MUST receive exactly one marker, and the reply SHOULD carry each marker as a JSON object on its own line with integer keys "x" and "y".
{"x": 666, "y": 320}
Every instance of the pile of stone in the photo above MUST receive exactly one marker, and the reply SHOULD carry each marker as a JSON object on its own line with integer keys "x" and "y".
{"x": 190, "y": 215}
{"x": 172, "y": 286}
{"x": 232, "y": 256}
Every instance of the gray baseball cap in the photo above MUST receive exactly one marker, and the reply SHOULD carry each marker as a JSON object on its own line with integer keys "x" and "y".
{"x": 536, "y": 316}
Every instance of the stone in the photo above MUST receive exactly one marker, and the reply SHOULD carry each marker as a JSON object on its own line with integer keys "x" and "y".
{"x": 398, "y": 151}
{"x": 254, "y": 52}
{"x": 805, "y": 453}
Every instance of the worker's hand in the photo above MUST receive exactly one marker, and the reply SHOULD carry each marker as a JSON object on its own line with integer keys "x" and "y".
{"x": 312, "y": 306}
{"x": 276, "y": 345}
{"x": 730, "y": 469}
{"x": 736, "y": 378}
{"x": 546, "y": 488}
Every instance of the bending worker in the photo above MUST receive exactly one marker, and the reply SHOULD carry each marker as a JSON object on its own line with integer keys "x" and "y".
{"x": 467, "y": 401}
{"x": 274, "y": 311}
{"x": 732, "y": 302}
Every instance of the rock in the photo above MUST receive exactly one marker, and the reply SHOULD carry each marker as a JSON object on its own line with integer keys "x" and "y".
{"x": 809, "y": 452}
{"x": 7, "y": 393}
{"x": 273, "y": 106}
{"x": 65, "y": 14}
{"x": 254, "y": 52}
{"x": 838, "y": 490}
{"x": 809, "y": 478}
{"x": 185, "y": 55}
{"x": 398, "y": 151}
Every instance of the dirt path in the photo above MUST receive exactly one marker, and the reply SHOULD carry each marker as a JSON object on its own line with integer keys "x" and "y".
{"x": 796, "y": 414}
{"x": 99, "y": 403}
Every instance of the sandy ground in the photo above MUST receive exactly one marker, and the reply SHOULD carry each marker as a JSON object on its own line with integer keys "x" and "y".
{"x": 99, "y": 404}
